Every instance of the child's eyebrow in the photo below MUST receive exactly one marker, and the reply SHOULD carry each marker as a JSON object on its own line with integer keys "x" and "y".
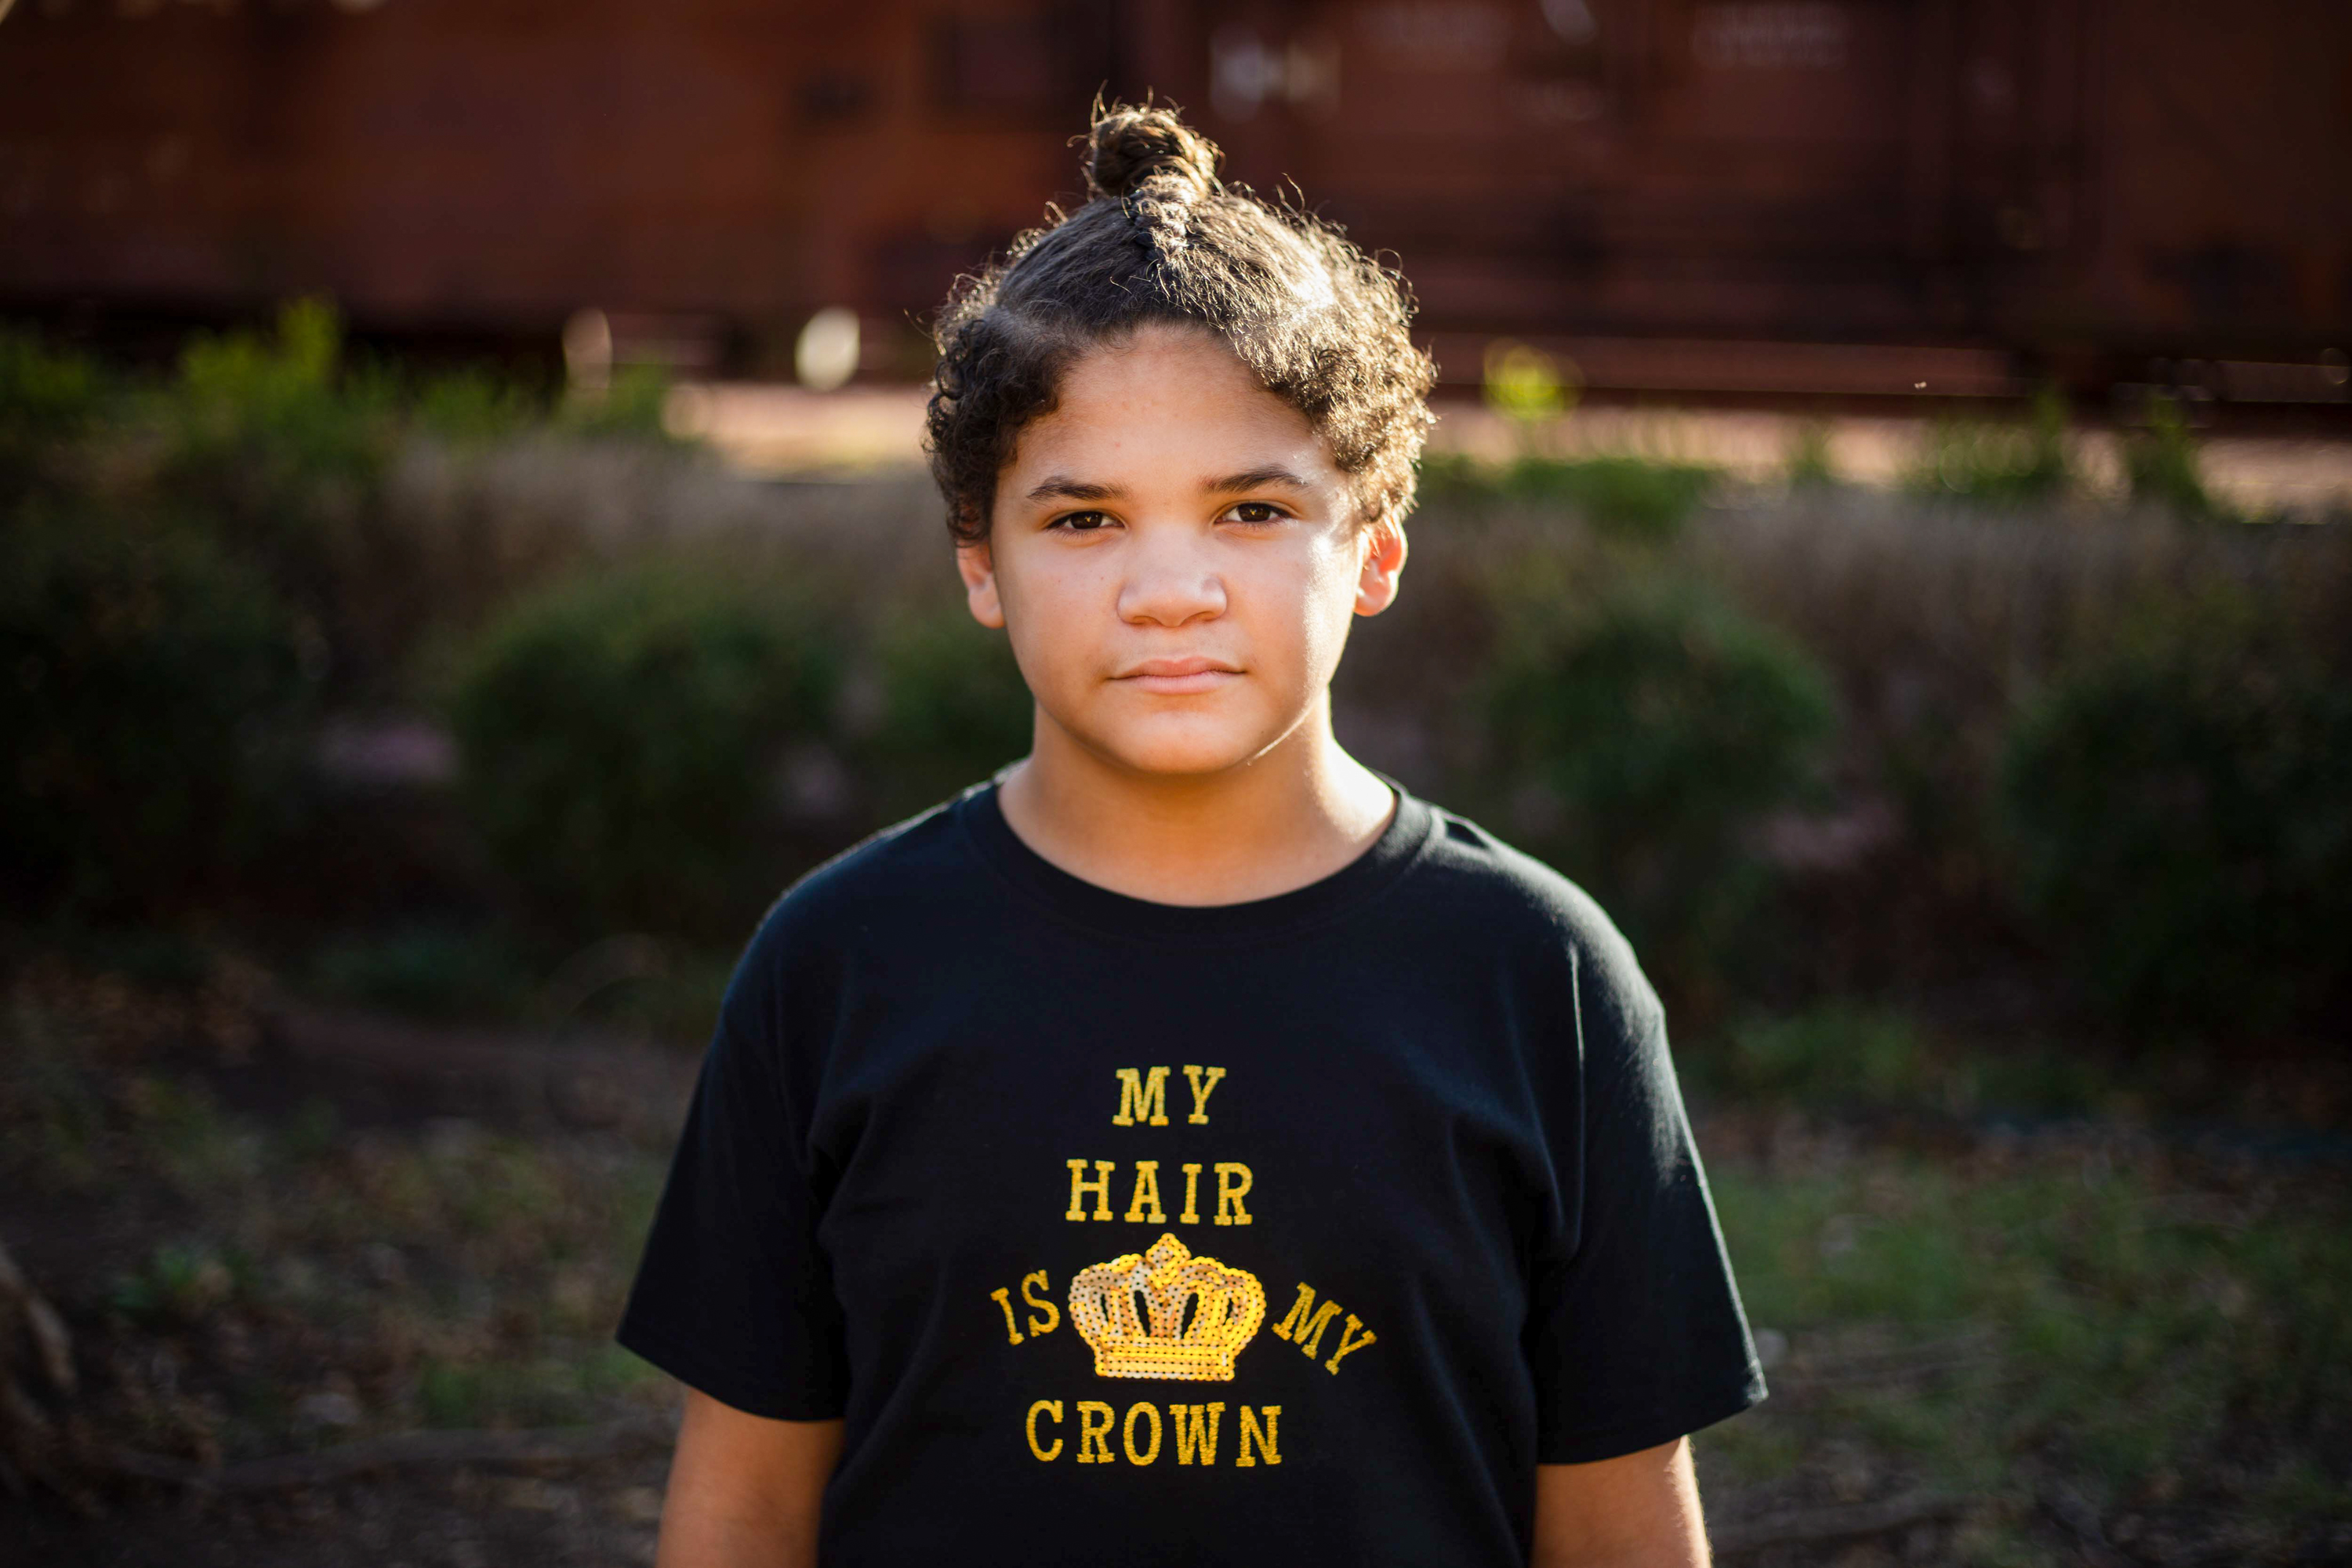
{"x": 1068, "y": 488}
{"x": 1255, "y": 478}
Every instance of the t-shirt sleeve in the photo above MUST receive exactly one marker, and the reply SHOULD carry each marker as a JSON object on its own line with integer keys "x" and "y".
{"x": 1636, "y": 1336}
{"x": 734, "y": 1296}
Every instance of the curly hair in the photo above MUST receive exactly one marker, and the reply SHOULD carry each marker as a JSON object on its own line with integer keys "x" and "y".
{"x": 1162, "y": 240}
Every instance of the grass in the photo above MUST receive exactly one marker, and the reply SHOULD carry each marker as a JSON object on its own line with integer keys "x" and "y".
{"x": 2088, "y": 1317}
{"x": 483, "y": 973}
{"x": 1887, "y": 1064}
{"x": 1849, "y": 1055}
{"x": 425, "y": 971}
{"x": 451, "y": 1275}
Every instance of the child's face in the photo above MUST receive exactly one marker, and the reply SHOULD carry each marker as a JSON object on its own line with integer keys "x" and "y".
{"x": 1176, "y": 559}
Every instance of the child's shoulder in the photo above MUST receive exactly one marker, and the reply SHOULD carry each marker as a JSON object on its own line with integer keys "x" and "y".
{"x": 1474, "y": 883}
{"x": 884, "y": 876}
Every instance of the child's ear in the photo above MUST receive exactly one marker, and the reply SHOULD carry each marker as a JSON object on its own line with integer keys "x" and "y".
{"x": 977, "y": 566}
{"x": 1376, "y": 584}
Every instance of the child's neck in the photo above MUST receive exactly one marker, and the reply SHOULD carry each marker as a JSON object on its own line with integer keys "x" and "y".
{"x": 1292, "y": 816}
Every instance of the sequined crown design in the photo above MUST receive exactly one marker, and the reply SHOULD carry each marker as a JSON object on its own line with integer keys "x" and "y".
{"x": 1227, "y": 1305}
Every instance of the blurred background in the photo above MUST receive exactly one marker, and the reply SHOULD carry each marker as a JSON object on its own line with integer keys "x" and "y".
{"x": 464, "y": 549}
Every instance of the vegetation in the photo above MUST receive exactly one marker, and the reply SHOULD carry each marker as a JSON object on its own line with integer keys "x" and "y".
{"x": 1882, "y": 1063}
{"x": 1894, "y": 729}
{"x": 440, "y": 972}
{"x": 1845, "y": 1053}
{"x": 2094, "y": 1341}
{"x": 1528, "y": 385}
{"x": 47, "y": 403}
{"x": 2073, "y": 1335}
{"x": 194, "y": 568}
{"x": 953, "y": 707}
{"x": 1932, "y": 821}
{"x": 2162, "y": 468}
{"x": 1995, "y": 464}
{"x": 633, "y": 407}
{"x": 1810, "y": 465}
{"x": 279, "y": 446}
{"x": 451, "y": 1275}
{"x": 2178, "y": 813}
{"x": 619, "y": 736}
{"x": 154, "y": 686}
{"x": 1629, "y": 496}
{"x": 1644, "y": 736}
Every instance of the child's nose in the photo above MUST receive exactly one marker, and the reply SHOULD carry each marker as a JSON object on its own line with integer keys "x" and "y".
{"x": 1169, "y": 583}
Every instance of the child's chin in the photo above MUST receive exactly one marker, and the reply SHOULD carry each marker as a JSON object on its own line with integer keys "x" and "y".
{"x": 1188, "y": 752}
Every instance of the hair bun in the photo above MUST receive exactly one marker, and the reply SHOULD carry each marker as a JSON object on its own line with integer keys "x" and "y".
{"x": 1126, "y": 146}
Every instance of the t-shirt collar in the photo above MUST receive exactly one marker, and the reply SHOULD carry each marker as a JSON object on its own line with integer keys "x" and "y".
{"x": 1098, "y": 909}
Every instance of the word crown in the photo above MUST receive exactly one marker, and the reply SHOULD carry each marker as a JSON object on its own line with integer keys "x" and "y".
{"x": 1228, "y": 1304}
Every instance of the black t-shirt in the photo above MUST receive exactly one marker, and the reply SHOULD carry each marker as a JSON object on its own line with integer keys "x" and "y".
{"x": 1299, "y": 1230}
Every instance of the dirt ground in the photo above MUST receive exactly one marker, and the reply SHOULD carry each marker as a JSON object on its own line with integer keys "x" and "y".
{"x": 386, "y": 1092}
{"x": 605, "y": 1514}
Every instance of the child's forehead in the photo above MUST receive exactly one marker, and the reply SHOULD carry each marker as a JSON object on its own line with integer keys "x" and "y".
{"x": 1155, "y": 350}
{"x": 1180, "y": 398}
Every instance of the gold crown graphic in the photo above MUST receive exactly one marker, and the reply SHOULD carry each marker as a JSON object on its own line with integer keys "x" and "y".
{"x": 1227, "y": 1306}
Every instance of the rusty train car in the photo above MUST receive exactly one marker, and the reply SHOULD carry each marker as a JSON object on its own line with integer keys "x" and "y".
{"x": 1709, "y": 195}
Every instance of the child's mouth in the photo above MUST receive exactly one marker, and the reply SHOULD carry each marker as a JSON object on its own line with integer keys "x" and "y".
{"x": 1179, "y": 676}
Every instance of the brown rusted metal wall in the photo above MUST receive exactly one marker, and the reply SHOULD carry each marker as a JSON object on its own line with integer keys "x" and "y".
{"x": 445, "y": 162}
{"x": 2074, "y": 176}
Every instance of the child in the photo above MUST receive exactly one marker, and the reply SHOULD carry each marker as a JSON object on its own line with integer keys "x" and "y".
{"x": 1187, "y": 1147}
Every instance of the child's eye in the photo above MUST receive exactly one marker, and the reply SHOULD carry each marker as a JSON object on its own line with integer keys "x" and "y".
{"x": 1253, "y": 511}
{"x": 1081, "y": 521}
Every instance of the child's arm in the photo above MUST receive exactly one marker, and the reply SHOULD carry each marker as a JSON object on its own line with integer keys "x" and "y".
{"x": 744, "y": 1490}
{"x": 1637, "y": 1511}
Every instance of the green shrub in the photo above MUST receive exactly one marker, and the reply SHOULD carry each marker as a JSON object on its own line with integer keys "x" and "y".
{"x": 1529, "y": 386}
{"x": 1811, "y": 466}
{"x": 150, "y": 690}
{"x": 1645, "y": 497}
{"x": 2179, "y": 824}
{"x": 283, "y": 445}
{"x": 1841, "y": 1053}
{"x": 2000, "y": 464}
{"x": 2162, "y": 465}
{"x": 953, "y": 709}
{"x": 1453, "y": 476}
{"x": 280, "y": 450}
{"x": 633, "y": 407}
{"x": 47, "y": 400}
{"x": 258, "y": 422}
{"x": 1847, "y": 1053}
{"x": 475, "y": 405}
{"x": 427, "y": 972}
{"x": 618, "y": 736}
{"x": 1645, "y": 735}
